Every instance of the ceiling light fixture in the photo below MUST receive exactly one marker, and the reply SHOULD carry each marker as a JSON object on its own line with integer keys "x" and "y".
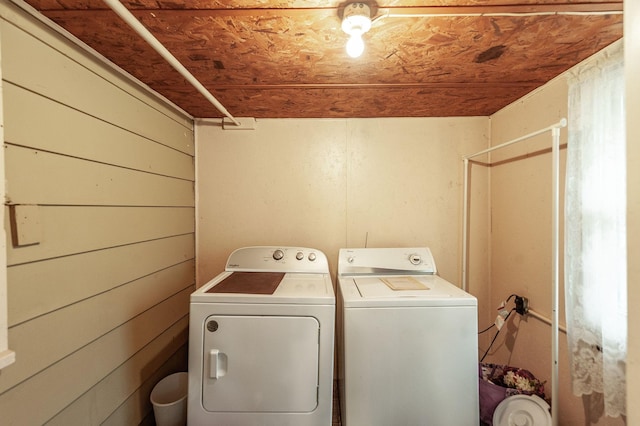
{"x": 355, "y": 22}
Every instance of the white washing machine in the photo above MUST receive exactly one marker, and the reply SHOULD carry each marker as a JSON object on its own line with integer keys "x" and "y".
{"x": 408, "y": 352}
{"x": 261, "y": 341}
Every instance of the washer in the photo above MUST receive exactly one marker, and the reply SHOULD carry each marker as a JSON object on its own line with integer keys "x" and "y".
{"x": 261, "y": 341}
{"x": 408, "y": 347}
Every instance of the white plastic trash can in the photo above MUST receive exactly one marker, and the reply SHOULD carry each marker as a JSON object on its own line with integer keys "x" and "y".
{"x": 169, "y": 399}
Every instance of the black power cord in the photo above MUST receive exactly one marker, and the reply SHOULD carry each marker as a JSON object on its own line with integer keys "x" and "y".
{"x": 495, "y": 335}
{"x": 487, "y": 329}
{"x": 521, "y": 307}
{"x": 508, "y": 298}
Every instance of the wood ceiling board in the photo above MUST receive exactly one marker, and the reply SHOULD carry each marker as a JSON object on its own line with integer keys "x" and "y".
{"x": 254, "y": 55}
{"x": 358, "y": 103}
{"x": 440, "y": 50}
{"x": 293, "y": 4}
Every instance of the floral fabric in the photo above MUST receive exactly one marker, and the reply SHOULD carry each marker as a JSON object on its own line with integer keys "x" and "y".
{"x": 498, "y": 382}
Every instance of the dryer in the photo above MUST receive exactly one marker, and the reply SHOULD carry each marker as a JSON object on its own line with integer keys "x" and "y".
{"x": 261, "y": 341}
{"x": 408, "y": 352}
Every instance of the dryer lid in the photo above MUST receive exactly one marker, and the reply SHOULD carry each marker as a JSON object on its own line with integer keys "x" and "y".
{"x": 265, "y": 287}
{"x": 249, "y": 283}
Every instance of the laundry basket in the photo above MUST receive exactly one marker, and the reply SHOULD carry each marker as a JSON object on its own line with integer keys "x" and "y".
{"x": 498, "y": 382}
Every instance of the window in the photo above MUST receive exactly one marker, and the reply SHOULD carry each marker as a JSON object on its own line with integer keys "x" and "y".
{"x": 595, "y": 230}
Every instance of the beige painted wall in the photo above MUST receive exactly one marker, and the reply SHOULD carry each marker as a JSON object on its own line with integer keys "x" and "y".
{"x": 322, "y": 183}
{"x": 521, "y": 242}
{"x": 330, "y": 184}
{"x": 632, "y": 71}
{"x": 99, "y": 179}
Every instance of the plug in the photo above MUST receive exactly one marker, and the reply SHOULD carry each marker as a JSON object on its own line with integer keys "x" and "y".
{"x": 522, "y": 305}
{"x": 501, "y": 318}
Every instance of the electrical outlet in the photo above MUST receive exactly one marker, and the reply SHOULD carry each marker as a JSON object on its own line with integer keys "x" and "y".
{"x": 522, "y": 305}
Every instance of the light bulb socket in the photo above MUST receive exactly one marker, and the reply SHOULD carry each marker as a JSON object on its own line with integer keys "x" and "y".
{"x": 356, "y": 18}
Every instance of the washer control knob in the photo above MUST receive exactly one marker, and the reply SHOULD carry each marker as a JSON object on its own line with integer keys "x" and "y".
{"x": 312, "y": 256}
{"x": 299, "y": 255}
{"x": 350, "y": 259}
{"x": 415, "y": 259}
{"x": 278, "y": 254}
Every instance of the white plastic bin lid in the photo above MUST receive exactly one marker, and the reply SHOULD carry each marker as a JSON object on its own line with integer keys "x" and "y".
{"x": 522, "y": 410}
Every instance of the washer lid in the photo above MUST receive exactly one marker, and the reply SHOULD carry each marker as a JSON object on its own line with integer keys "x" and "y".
{"x": 401, "y": 290}
{"x": 522, "y": 410}
{"x": 399, "y": 286}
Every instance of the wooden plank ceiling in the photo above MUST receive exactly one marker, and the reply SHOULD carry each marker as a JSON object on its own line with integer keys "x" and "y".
{"x": 286, "y": 58}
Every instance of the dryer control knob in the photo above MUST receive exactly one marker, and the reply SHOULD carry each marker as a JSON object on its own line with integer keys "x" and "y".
{"x": 299, "y": 255}
{"x": 278, "y": 254}
{"x": 312, "y": 256}
{"x": 415, "y": 259}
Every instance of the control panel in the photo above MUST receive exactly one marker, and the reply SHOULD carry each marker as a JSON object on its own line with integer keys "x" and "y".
{"x": 278, "y": 259}
{"x": 381, "y": 261}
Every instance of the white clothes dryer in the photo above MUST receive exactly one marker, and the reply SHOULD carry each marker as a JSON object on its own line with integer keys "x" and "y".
{"x": 261, "y": 341}
{"x": 408, "y": 352}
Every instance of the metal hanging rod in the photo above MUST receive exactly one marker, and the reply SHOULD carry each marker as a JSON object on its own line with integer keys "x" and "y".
{"x": 131, "y": 20}
{"x": 559, "y": 124}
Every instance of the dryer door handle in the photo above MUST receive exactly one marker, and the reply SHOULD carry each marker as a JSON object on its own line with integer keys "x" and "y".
{"x": 217, "y": 364}
{"x": 213, "y": 363}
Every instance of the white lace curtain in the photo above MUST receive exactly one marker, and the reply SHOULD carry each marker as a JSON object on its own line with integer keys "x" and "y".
{"x": 595, "y": 230}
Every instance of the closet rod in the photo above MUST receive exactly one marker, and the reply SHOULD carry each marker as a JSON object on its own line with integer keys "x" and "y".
{"x": 143, "y": 32}
{"x": 465, "y": 189}
{"x": 559, "y": 124}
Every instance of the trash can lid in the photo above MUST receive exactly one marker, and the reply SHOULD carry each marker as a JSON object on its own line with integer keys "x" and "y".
{"x": 522, "y": 410}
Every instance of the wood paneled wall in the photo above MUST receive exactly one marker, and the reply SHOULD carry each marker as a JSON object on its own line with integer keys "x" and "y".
{"x": 100, "y": 233}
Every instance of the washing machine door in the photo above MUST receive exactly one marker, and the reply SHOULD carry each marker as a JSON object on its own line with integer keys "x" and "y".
{"x": 260, "y": 363}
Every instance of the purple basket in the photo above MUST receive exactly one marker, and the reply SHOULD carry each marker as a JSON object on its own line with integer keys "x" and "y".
{"x": 490, "y": 396}
{"x": 493, "y": 390}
